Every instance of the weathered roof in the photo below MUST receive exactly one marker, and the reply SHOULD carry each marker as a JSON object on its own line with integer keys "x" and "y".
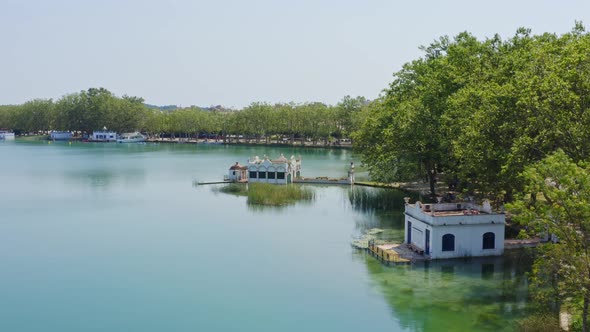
{"x": 280, "y": 160}
{"x": 237, "y": 166}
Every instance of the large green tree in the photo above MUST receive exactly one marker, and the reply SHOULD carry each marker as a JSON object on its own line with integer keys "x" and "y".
{"x": 403, "y": 137}
{"x": 348, "y": 110}
{"x": 481, "y": 111}
{"x": 529, "y": 98}
{"x": 559, "y": 204}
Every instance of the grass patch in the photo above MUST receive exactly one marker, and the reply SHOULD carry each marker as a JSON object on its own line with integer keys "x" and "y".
{"x": 233, "y": 188}
{"x": 265, "y": 194}
{"x": 277, "y": 195}
{"x": 375, "y": 199}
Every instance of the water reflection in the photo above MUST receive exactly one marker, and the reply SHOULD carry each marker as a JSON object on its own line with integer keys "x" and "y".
{"x": 267, "y": 197}
{"x": 105, "y": 177}
{"x": 477, "y": 294}
{"x": 367, "y": 199}
{"x": 379, "y": 208}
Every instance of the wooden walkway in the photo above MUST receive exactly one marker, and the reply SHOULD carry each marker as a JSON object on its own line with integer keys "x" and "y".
{"x": 524, "y": 243}
{"x": 321, "y": 180}
{"x": 394, "y": 253}
{"x": 201, "y": 183}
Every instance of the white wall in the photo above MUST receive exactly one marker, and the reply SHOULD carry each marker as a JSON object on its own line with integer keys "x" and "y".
{"x": 468, "y": 240}
{"x": 107, "y": 136}
{"x": 60, "y": 135}
{"x": 468, "y": 237}
{"x": 263, "y": 168}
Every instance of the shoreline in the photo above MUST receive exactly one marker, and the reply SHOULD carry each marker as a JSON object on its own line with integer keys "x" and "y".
{"x": 201, "y": 141}
{"x": 243, "y": 141}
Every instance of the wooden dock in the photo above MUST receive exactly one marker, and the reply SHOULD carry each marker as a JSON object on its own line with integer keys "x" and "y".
{"x": 201, "y": 183}
{"x": 518, "y": 243}
{"x": 321, "y": 180}
{"x": 394, "y": 253}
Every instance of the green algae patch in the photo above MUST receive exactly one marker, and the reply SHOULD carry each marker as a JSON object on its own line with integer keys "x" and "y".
{"x": 454, "y": 295}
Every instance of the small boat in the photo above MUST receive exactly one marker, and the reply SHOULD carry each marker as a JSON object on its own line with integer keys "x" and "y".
{"x": 60, "y": 136}
{"x": 135, "y": 137}
{"x": 6, "y": 135}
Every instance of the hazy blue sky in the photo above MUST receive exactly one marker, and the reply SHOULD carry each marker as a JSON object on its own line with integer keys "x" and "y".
{"x": 236, "y": 52}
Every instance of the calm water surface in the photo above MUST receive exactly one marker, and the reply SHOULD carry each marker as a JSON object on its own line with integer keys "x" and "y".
{"x": 107, "y": 237}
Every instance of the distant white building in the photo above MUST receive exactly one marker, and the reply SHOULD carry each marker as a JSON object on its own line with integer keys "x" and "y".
{"x": 6, "y": 135}
{"x": 238, "y": 173}
{"x": 451, "y": 230}
{"x": 279, "y": 171}
{"x": 104, "y": 136}
{"x": 60, "y": 135}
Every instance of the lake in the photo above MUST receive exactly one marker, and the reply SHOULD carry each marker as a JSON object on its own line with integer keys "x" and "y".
{"x": 115, "y": 237}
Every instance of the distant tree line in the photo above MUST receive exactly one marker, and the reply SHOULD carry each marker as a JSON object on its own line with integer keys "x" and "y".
{"x": 85, "y": 111}
{"x": 95, "y": 109}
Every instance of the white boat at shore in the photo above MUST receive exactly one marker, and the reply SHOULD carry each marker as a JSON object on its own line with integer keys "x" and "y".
{"x": 6, "y": 135}
{"x": 135, "y": 137}
{"x": 60, "y": 136}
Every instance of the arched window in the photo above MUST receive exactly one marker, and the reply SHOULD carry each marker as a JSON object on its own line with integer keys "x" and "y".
{"x": 489, "y": 240}
{"x": 448, "y": 242}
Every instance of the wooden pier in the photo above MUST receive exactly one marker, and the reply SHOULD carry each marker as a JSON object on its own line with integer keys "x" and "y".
{"x": 201, "y": 183}
{"x": 394, "y": 253}
{"x": 322, "y": 180}
{"x": 521, "y": 243}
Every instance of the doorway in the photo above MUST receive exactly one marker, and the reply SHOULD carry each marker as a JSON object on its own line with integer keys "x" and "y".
{"x": 427, "y": 242}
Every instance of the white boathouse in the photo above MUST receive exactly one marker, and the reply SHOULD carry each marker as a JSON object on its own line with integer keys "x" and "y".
{"x": 278, "y": 171}
{"x": 238, "y": 173}
{"x": 104, "y": 136}
{"x": 451, "y": 230}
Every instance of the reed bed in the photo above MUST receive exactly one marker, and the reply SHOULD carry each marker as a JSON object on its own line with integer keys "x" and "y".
{"x": 269, "y": 194}
{"x": 277, "y": 195}
{"x": 233, "y": 188}
{"x": 377, "y": 199}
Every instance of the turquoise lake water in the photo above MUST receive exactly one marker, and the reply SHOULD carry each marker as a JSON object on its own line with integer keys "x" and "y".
{"x": 107, "y": 237}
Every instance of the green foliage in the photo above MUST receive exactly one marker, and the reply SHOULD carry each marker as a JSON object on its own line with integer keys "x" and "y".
{"x": 542, "y": 322}
{"x": 403, "y": 135}
{"x": 377, "y": 199}
{"x": 233, "y": 188}
{"x": 266, "y": 194}
{"x": 482, "y": 111}
{"x": 561, "y": 275}
{"x": 349, "y": 114}
{"x": 85, "y": 111}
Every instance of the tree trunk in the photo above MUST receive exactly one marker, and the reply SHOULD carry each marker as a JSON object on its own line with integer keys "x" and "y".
{"x": 585, "y": 313}
{"x": 432, "y": 182}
